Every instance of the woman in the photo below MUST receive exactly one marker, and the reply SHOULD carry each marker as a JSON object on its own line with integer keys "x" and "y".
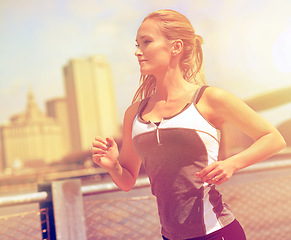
{"x": 172, "y": 127}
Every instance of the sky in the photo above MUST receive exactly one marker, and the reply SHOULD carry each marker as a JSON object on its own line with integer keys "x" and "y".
{"x": 247, "y": 46}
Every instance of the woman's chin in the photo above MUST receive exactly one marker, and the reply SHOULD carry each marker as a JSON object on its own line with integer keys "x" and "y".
{"x": 145, "y": 72}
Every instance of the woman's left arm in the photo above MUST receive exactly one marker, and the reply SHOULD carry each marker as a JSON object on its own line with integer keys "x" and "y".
{"x": 223, "y": 107}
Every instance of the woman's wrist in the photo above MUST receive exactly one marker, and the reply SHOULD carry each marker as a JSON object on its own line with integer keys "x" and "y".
{"x": 234, "y": 164}
{"x": 116, "y": 169}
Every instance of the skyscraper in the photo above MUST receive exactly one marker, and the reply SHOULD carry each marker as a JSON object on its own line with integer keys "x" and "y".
{"x": 91, "y": 101}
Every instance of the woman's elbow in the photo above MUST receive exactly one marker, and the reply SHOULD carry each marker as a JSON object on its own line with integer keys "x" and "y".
{"x": 280, "y": 142}
{"x": 127, "y": 188}
{"x": 124, "y": 186}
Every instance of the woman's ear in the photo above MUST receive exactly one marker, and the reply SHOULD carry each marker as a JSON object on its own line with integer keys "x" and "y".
{"x": 177, "y": 47}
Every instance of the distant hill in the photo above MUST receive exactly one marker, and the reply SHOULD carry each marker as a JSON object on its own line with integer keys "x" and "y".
{"x": 270, "y": 100}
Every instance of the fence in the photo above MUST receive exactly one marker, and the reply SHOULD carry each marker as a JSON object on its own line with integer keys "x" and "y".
{"x": 259, "y": 197}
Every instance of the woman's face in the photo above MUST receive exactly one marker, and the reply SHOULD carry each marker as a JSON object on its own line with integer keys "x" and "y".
{"x": 153, "y": 49}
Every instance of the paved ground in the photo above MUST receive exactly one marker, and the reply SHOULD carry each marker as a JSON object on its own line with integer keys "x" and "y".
{"x": 260, "y": 200}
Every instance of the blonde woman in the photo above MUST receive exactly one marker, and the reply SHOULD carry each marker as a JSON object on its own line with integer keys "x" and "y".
{"x": 172, "y": 128}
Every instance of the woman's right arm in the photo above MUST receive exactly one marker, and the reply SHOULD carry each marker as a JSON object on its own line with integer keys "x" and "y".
{"x": 123, "y": 167}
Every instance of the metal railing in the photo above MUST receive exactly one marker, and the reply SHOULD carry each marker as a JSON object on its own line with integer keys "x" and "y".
{"x": 43, "y": 196}
{"x": 107, "y": 187}
{"x": 51, "y": 205}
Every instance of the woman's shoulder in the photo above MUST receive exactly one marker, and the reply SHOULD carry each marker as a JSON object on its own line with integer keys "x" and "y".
{"x": 218, "y": 97}
{"x": 214, "y": 92}
{"x": 220, "y": 105}
{"x": 133, "y": 110}
{"x": 134, "y": 106}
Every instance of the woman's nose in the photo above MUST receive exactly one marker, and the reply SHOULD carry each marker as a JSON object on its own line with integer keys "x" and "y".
{"x": 138, "y": 52}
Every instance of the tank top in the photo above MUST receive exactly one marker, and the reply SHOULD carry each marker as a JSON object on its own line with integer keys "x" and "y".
{"x": 171, "y": 153}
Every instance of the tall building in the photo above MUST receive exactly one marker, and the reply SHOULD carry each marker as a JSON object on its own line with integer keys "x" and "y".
{"x": 91, "y": 101}
{"x": 30, "y": 138}
{"x": 57, "y": 108}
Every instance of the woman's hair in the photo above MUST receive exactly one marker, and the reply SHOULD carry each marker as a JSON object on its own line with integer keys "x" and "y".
{"x": 175, "y": 26}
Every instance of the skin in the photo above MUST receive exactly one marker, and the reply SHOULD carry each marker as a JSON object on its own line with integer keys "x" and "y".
{"x": 160, "y": 57}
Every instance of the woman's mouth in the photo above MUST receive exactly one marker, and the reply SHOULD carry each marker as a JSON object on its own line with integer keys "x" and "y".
{"x": 141, "y": 61}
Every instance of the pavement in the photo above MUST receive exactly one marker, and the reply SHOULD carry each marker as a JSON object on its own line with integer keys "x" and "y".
{"x": 260, "y": 200}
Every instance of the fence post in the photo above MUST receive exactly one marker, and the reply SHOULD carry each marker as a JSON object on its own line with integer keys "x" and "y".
{"x": 69, "y": 210}
{"x": 47, "y": 213}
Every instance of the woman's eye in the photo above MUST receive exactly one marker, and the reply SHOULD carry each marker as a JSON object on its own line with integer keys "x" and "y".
{"x": 146, "y": 42}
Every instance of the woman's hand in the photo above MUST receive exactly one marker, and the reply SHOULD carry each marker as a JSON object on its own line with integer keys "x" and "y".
{"x": 217, "y": 172}
{"x": 105, "y": 153}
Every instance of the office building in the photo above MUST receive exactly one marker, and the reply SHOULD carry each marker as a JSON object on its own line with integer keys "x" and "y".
{"x": 91, "y": 101}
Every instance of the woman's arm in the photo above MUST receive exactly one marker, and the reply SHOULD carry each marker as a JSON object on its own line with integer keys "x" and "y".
{"x": 123, "y": 167}
{"x": 223, "y": 107}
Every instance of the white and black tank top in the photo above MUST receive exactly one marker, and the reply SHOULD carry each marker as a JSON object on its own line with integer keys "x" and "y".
{"x": 172, "y": 152}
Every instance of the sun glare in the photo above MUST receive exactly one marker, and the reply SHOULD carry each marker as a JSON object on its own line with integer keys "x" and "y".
{"x": 282, "y": 51}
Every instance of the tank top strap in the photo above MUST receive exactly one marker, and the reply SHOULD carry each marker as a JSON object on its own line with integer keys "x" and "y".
{"x": 142, "y": 105}
{"x": 198, "y": 94}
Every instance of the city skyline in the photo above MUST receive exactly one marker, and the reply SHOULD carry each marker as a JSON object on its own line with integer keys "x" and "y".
{"x": 69, "y": 124}
{"x": 246, "y": 46}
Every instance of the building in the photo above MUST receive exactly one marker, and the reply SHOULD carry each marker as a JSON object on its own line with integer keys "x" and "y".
{"x": 91, "y": 101}
{"x": 31, "y": 138}
{"x": 57, "y": 108}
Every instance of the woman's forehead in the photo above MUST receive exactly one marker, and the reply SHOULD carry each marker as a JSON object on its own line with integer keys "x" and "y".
{"x": 148, "y": 28}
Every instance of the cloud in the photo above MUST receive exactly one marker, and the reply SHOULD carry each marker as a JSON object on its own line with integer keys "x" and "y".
{"x": 14, "y": 87}
{"x": 87, "y": 9}
{"x": 15, "y": 10}
{"x": 153, "y": 5}
{"x": 110, "y": 28}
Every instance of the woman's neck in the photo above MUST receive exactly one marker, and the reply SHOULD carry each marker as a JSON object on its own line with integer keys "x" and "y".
{"x": 172, "y": 86}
